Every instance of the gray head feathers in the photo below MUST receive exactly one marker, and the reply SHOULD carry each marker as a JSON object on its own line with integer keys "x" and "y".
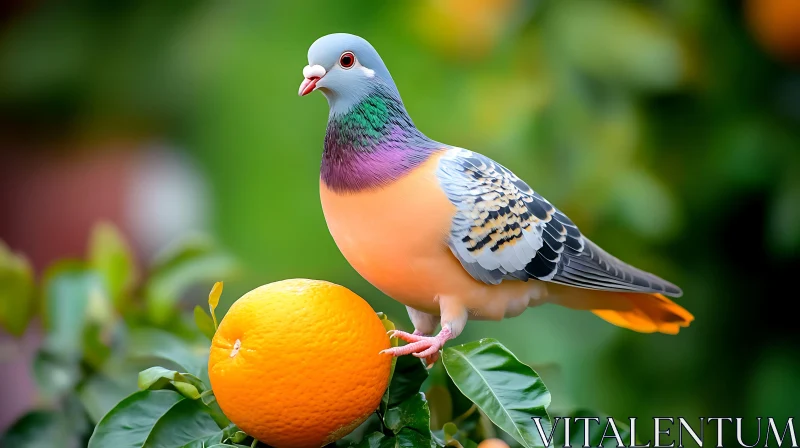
{"x": 345, "y": 86}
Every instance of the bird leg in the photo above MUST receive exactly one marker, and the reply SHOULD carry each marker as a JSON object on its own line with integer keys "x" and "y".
{"x": 424, "y": 324}
{"x": 453, "y": 319}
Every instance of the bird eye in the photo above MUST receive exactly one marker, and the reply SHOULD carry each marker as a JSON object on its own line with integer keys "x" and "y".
{"x": 347, "y": 59}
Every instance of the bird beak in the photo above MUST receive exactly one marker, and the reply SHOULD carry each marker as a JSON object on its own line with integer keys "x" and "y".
{"x": 312, "y": 75}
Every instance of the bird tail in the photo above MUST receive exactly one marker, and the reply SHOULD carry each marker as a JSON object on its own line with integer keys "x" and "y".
{"x": 647, "y": 313}
{"x": 642, "y": 312}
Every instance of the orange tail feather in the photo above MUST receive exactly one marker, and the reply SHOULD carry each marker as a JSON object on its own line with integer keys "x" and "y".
{"x": 647, "y": 313}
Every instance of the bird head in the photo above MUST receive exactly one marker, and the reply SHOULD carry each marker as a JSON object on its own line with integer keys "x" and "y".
{"x": 345, "y": 68}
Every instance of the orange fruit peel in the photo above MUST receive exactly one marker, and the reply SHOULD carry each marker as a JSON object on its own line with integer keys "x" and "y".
{"x": 297, "y": 363}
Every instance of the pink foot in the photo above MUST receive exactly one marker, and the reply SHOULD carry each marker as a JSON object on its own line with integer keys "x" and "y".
{"x": 426, "y": 347}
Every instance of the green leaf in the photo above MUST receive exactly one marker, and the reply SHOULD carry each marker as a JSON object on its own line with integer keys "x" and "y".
{"x": 208, "y": 397}
{"x": 372, "y": 424}
{"x": 99, "y": 394}
{"x": 156, "y": 378}
{"x": 110, "y": 256}
{"x": 153, "y": 344}
{"x": 406, "y": 438}
{"x": 577, "y": 431}
{"x": 462, "y": 407}
{"x": 410, "y": 422}
{"x": 186, "y": 423}
{"x": 38, "y": 429}
{"x": 131, "y": 421}
{"x": 98, "y": 340}
{"x": 155, "y": 419}
{"x": 213, "y": 301}
{"x": 191, "y": 261}
{"x": 412, "y": 413}
{"x": 212, "y": 440}
{"x": 204, "y": 322}
{"x": 371, "y": 441}
{"x": 238, "y": 436}
{"x": 68, "y": 288}
{"x": 389, "y": 326}
{"x": 187, "y": 390}
{"x": 17, "y": 304}
{"x": 407, "y": 376}
{"x": 509, "y": 392}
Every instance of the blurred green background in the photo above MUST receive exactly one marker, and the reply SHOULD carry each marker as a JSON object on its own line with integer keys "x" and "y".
{"x": 669, "y": 131}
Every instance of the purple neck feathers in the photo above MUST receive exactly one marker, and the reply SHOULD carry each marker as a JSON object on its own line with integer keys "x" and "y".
{"x": 372, "y": 145}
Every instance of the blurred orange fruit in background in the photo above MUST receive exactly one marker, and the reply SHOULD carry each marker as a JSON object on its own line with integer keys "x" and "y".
{"x": 467, "y": 29}
{"x": 296, "y": 363}
{"x": 493, "y": 443}
{"x": 776, "y": 26}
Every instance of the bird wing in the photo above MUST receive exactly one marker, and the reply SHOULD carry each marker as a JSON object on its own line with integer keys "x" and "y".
{"x": 503, "y": 229}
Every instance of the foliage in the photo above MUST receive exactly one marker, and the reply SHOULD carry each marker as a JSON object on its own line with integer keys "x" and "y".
{"x": 17, "y": 303}
{"x": 510, "y": 393}
{"x": 101, "y": 327}
{"x": 177, "y": 408}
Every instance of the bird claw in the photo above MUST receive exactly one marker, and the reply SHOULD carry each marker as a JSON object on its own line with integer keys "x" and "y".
{"x": 426, "y": 347}
{"x": 408, "y": 337}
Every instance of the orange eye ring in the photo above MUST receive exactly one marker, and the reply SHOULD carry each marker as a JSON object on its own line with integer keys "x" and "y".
{"x": 347, "y": 60}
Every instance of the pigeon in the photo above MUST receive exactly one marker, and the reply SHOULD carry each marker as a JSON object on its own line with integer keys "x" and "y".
{"x": 448, "y": 232}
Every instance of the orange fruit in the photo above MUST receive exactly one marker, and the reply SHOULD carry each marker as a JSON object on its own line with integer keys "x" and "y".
{"x": 465, "y": 28}
{"x": 776, "y": 26}
{"x": 296, "y": 363}
{"x": 493, "y": 443}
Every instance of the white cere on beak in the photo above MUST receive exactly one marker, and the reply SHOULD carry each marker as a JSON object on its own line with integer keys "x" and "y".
{"x": 313, "y": 71}
{"x": 369, "y": 72}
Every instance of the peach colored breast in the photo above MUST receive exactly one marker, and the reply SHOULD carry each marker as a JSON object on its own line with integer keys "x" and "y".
{"x": 396, "y": 238}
